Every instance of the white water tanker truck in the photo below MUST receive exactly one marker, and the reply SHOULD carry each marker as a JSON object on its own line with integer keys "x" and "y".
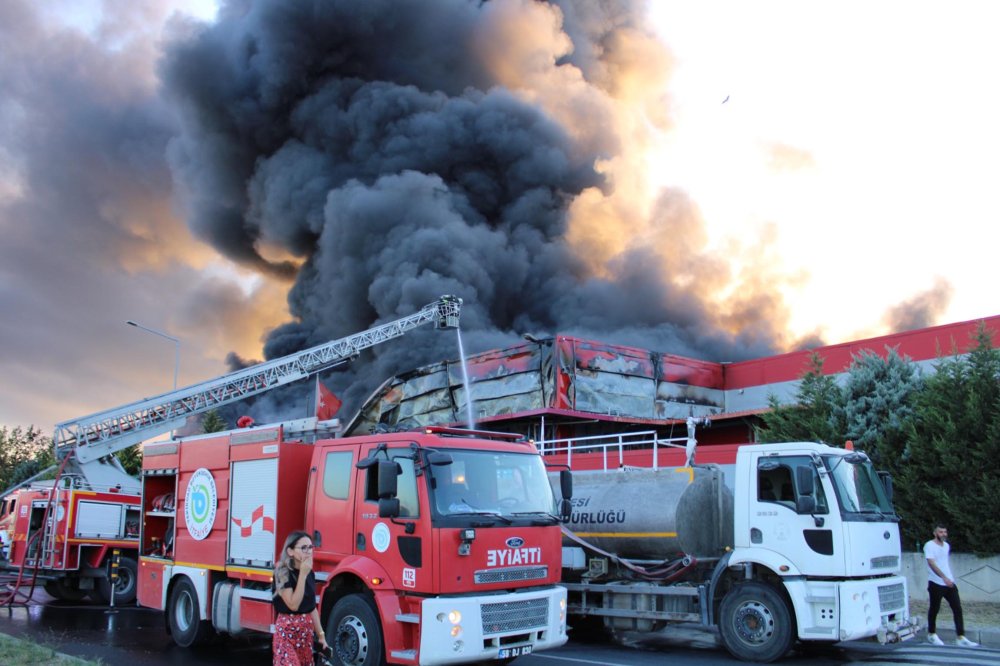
{"x": 802, "y": 544}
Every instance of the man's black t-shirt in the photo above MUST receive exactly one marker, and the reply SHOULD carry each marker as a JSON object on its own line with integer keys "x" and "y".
{"x": 308, "y": 602}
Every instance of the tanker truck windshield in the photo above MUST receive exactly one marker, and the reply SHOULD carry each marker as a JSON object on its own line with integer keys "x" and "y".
{"x": 505, "y": 486}
{"x": 859, "y": 489}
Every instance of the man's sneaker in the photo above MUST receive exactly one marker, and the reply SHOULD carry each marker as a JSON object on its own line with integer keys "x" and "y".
{"x": 934, "y": 640}
{"x": 965, "y": 642}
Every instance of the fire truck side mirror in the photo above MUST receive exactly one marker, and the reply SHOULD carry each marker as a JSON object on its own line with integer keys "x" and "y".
{"x": 565, "y": 510}
{"x": 566, "y": 484}
{"x": 388, "y": 473}
{"x": 388, "y": 507}
{"x": 438, "y": 458}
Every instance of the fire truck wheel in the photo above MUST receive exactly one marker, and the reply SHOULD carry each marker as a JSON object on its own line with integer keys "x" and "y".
{"x": 354, "y": 632}
{"x": 186, "y": 627}
{"x": 125, "y": 587}
{"x": 63, "y": 589}
{"x": 755, "y": 623}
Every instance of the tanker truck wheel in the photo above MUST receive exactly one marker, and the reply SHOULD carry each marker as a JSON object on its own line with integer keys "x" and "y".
{"x": 755, "y": 623}
{"x": 354, "y": 632}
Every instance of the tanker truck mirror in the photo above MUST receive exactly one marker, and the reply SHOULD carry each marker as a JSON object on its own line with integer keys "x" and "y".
{"x": 804, "y": 481}
{"x": 388, "y": 473}
{"x": 805, "y": 499}
{"x": 886, "y": 479}
{"x": 566, "y": 484}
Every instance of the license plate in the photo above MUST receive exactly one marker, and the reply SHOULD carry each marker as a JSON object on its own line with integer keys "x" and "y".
{"x": 508, "y": 653}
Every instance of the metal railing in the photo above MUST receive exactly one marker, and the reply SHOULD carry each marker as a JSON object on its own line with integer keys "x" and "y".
{"x": 610, "y": 445}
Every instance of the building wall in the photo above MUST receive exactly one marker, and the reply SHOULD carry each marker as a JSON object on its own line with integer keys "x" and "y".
{"x": 978, "y": 577}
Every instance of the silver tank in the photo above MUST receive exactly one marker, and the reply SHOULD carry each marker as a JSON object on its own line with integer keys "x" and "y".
{"x": 653, "y": 514}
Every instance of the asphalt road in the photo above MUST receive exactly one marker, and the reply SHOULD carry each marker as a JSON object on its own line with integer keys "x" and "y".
{"x": 132, "y": 636}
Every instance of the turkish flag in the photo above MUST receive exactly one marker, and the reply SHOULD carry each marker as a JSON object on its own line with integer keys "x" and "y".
{"x": 327, "y": 404}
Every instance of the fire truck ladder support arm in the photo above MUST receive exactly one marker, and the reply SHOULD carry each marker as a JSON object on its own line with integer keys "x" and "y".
{"x": 93, "y": 437}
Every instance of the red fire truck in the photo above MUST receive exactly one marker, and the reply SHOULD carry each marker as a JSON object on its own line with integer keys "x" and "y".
{"x": 432, "y": 547}
{"x": 65, "y": 536}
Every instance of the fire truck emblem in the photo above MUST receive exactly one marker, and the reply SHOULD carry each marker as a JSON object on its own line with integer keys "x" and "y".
{"x": 515, "y": 542}
{"x": 381, "y": 538}
{"x": 200, "y": 502}
{"x": 266, "y": 523}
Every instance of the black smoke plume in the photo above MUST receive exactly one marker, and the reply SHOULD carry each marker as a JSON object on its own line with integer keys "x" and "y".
{"x": 369, "y": 145}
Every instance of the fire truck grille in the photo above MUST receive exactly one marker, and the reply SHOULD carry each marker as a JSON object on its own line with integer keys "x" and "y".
{"x": 513, "y": 574}
{"x": 515, "y": 616}
{"x": 887, "y": 562}
{"x": 891, "y": 597}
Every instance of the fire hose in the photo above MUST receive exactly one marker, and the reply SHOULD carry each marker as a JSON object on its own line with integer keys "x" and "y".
{"x": 666, "y": 571}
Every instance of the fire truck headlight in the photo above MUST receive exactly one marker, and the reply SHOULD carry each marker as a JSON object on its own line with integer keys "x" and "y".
{"x": 456, "y": 631}
{"x": 468, "y": 535}
{"x": 454, "y": 617}
{"x": 457, "y": 646}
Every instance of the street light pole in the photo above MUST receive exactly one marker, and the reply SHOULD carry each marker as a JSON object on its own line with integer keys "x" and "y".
{"x": 177, "y": 345}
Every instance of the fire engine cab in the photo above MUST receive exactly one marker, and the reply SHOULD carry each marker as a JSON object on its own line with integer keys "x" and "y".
{"x": 431, "y": 547}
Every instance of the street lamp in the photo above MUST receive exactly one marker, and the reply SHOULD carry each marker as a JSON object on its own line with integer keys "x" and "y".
{"x": 177, "y": 345}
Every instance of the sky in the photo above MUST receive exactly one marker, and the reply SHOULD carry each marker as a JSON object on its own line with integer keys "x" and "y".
{"x": 773, "y": 175}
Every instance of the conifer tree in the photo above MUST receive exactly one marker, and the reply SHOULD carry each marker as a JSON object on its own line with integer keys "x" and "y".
{"x": 878, "y": 406}
{"x": 212, "y": 422}
{"x": 952, "y": 473}
{"x": 815, "y": 415}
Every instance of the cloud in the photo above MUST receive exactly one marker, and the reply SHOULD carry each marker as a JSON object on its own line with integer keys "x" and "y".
{"x": 783, "y": 157}
{"x": 91, "y": 234}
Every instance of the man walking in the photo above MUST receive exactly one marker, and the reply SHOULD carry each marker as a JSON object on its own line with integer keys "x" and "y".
{"x": 941, "y": 585}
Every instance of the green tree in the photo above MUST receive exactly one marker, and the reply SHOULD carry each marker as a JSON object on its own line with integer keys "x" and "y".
{"x": 815, "y": 415}
{"x": 212, "y": 422}
{"x": 954, "y": 441}
{"x": 131, "y": 459}
{"x": 18, "y": 448}
{"x": 878, "y": 406}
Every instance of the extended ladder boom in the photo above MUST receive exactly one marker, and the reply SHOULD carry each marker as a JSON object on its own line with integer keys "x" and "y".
{"x": 98, "y": 435}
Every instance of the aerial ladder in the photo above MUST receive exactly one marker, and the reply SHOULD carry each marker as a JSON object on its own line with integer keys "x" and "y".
{"x": 85, "y": 446}
{"x": 92, "y": 440}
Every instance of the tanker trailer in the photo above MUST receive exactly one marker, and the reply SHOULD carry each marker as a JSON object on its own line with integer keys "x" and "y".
{"x": 806, "y": 547}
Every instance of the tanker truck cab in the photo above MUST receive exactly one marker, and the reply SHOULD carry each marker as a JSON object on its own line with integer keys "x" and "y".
{"x": 454, "y": 555}
{"x": 818, "y": 528}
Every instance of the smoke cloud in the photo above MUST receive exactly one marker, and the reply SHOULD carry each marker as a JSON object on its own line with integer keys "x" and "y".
{"x": 304, "y": 170}
{"x": 398, "y": 151}
{"x": 922, "y": 310}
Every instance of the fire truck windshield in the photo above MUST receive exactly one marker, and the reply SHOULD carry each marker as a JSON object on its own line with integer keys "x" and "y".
{"x": 492, "y": 483}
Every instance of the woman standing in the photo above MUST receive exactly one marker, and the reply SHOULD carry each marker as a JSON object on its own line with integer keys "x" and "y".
{"x": 295, "y": 603}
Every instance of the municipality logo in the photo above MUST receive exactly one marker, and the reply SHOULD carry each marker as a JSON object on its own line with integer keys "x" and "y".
{"x": 200, "y": 502}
